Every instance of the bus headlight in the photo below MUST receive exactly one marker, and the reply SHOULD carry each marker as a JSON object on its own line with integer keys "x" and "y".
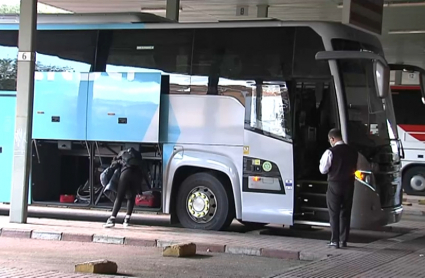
{"x": 365, "y": 178}
{"x": 359, "y": 175}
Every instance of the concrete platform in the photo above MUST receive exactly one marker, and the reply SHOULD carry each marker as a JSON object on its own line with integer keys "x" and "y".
{"x": 398, "y": 248}
{"x": 133, "y": 261}
{"x": 154, "y": 236}
{"x": 17, "y": 272}
{"x": 272, "y": 242}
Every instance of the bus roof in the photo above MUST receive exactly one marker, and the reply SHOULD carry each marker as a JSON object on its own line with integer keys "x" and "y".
{"x": 139, "y": 21}
{"x": 72, "y": 18}
{"x": 118, "y": 21}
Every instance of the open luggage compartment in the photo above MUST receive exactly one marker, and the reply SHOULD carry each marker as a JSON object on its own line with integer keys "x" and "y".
{"x": 67, "y": 173}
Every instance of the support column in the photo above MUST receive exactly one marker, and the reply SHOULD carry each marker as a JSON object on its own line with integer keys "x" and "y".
{"x": 23, "y": 120}
{"x": 398, "y": 77}
{"x": 262, "y": 11}
{"x": 173, "y": 10}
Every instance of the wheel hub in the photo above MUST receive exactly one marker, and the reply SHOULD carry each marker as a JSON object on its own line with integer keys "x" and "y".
{"x": 201, "y": 204}
{"x": 417, "y": 182}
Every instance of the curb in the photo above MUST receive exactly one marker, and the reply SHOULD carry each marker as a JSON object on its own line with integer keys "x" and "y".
{"x": 419, "y": 200}
{"x": 46, "y": 235}
{"x": 414, "y": 212}
{"x": 158, "y": 243}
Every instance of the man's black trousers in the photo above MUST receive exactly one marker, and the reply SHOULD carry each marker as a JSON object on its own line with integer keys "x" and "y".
{"x": 339, "y": 198}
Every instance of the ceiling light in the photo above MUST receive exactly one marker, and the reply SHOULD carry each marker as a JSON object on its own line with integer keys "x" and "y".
{"x": 397, "y": 4}
{"x": 156, "y": 10}
{"x": 405, "y": 32}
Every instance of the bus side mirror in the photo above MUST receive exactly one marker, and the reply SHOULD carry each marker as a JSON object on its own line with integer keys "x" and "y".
{"x": 382, "y": 78}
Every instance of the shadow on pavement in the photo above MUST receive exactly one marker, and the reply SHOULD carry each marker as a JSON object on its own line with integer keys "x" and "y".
{"x": 356, "y": 236}
{"x": 199, "y": 257}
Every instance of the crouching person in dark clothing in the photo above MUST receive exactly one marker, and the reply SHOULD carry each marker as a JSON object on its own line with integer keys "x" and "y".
{"x": 129, "y": 183}
{"x": 340, "y": 163}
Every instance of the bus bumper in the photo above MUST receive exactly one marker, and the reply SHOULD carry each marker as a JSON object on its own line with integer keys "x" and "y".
{"x": 367, "y": 212}
{"x": 393, "y": 214}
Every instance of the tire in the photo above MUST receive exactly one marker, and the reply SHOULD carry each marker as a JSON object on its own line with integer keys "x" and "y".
{"x": 204, "y": 203}
{"x": 414, "y": 181}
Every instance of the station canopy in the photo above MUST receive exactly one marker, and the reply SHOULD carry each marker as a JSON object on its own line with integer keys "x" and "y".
{"x": 403, "y": 32}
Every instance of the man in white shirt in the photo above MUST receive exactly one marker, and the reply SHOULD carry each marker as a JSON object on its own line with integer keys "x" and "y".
{"x": 339, "y": 163}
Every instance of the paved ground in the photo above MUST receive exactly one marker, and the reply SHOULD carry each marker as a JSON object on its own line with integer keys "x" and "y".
{"x": 55, "y": 256}
{"x": 272, "y": 242}
{"x": 414, "y": 205}
{"x": 396, "y": 251}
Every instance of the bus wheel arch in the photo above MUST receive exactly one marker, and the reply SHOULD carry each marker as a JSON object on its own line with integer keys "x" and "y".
{"x": 414, "y": 173}
{"x": 203, "y": 183}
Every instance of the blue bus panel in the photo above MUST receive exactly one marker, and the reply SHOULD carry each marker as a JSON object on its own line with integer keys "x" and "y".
{"x": 60, "y": 106}
{"x": 124, "y": 107}
{"x": 7, "y": 130}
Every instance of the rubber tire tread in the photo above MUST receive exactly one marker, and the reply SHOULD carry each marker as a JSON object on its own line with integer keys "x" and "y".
{"x": 224, "y": 214}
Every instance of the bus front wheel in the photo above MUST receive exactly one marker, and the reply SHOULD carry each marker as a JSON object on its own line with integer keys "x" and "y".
{"x": 204, "y": 203}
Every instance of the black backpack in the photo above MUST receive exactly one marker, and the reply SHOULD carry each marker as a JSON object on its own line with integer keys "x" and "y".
{"x": 131, "y": 158}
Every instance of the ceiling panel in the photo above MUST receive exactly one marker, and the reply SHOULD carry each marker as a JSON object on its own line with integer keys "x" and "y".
{"x": 408, "y": 48}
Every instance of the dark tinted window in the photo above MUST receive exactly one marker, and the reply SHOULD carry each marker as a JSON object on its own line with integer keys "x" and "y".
{"x": 56, "y": 51}
{"x": 408, "y": 106}
{"x": 66, "y": 50}
{"x": 230, "y": 61}
{"x": 254, "y": 53}
{"x": 169, "y": 51}
{"x": 307, "y": 44}
{"x": 8, "y": 57}
{"x": 165, "y": 50}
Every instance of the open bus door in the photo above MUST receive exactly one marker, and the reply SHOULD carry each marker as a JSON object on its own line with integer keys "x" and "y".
{"x": 412, "y": 69}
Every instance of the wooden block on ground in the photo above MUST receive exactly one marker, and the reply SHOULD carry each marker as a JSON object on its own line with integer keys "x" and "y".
{"x": 98, "y": 267}
{"x": 407, "y": 204}
{"x": 421, "y": 201}
{"x": 179, "y": 250}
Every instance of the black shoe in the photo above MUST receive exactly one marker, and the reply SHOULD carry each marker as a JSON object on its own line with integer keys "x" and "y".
{"x": 343, "y": 244}
{"x": 333, "y": 245}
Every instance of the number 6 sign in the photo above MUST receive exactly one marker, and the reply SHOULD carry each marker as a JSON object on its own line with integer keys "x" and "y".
{"x": 25, "y": 56}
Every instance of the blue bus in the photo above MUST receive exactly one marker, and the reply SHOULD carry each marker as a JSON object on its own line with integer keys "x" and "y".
{"x": 231, "y": 117}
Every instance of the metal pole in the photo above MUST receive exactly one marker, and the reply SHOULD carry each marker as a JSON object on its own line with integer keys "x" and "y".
{"x": 398, "y": 77}
{"x": 23, "y": 120}
{"x": 173, "y": 10}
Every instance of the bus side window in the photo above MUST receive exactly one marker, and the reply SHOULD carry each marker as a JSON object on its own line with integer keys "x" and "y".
{"x": 8, "y": 54}
{"x": 65, "y": 50}
{"x": 268, "y": 110}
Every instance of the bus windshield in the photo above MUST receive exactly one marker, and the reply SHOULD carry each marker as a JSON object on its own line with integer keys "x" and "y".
{"x": 368, "y": 127}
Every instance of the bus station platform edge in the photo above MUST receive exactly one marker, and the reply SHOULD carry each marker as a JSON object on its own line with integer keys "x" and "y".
{"x": 159, "y": 234}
